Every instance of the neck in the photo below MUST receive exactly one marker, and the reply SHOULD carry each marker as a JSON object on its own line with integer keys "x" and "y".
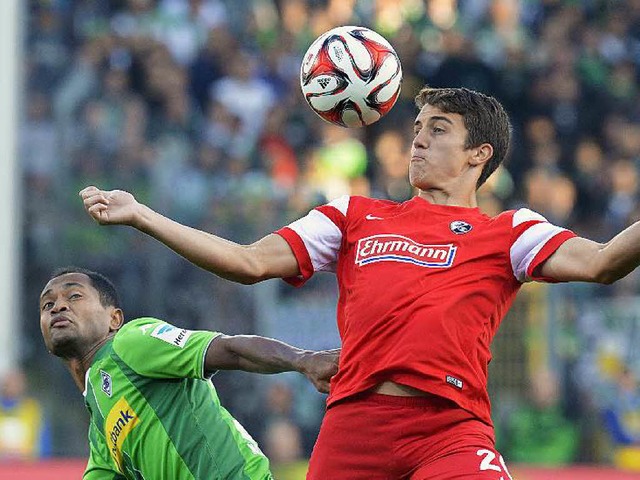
{"x": 442, "y": 197}
{"x": 79, "y": 364}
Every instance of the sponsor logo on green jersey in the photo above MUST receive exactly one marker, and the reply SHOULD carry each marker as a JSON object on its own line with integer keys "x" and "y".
{"x": 119, "y": 423}
{"x": 175, "y": 336}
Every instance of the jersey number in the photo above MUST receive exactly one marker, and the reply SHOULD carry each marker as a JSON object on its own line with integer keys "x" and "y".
{"x": 487, "y": 462}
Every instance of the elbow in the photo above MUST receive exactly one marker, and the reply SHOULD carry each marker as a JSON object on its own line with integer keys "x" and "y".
{"x": 604, "y": 270}
{"x": 606, "y": 276}
{"x": 253, "y": 272}
{"x": 245, "y": 277}
{"x": 605, "y": 279}
{"x": 236, "y": 276}
{"x": 248, "y": 280}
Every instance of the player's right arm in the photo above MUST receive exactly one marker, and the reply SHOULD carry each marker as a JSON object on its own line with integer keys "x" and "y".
{"x": 270, "y": 257}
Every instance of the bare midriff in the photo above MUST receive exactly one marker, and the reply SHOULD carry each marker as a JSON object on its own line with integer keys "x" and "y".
{"x": 398, "y": 390}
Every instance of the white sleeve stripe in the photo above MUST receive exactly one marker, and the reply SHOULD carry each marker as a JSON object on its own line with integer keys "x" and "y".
{"x": 204, "y": 357}
{"x": 526, "y": 215}
{"x": 525, "y": 248}
{"x": 321, "y": 237}
{"x": 341, "y": 204}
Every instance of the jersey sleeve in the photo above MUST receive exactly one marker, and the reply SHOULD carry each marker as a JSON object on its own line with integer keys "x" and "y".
{"x": 316, "y": 239}
{"x": 533, "y": 240}
{"x": 156, "y": 349}
{"x": 100, "y": 465}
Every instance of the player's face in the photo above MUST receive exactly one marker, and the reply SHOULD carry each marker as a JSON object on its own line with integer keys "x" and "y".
{"x": 72, "y": 318}
{"x": 438, "y": 156}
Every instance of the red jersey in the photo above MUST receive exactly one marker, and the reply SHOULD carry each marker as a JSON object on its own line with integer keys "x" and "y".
{"x": 422, "y": 288}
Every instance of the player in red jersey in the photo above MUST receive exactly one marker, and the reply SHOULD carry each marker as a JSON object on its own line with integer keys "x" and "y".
{"x": 423, "y": 285}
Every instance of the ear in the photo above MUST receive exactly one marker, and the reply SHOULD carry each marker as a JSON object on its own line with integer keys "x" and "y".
{"x": 481, "y": 154}
{"x": 117, "y": 319}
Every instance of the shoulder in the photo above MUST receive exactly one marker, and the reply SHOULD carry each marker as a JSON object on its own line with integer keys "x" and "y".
{"x": 326, "y": 216}
{"x": 157, "y": 349}
{"x": 139, "y": 327}
{"x": 525, "y": 215}
{"x": 136, "y": 335}
{"x": 340, "y": 204}
{"x": 358, "y": 200}
{"x": 519, "y": 217}
{"x": 356, "y": 205}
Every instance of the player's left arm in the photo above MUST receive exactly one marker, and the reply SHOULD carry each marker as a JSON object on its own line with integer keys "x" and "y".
{"x": 581, "y": 259}
{"x": 253, "y": 353}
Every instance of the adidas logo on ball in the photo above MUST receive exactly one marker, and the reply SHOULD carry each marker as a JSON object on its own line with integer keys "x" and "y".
{"x": 324, "y": 82}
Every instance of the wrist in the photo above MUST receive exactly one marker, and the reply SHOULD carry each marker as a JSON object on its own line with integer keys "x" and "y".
{"x": 300, "y": 363}
{"x": 141, "y": 219}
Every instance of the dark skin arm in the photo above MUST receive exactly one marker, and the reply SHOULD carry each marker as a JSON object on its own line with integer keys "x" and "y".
{"x": 253, "y": 353}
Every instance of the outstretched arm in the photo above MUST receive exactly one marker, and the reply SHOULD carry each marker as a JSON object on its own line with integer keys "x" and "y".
{"x": 270, "y": 257}
{"x": 265, "y": 355}
{"x": 580, "y": 259}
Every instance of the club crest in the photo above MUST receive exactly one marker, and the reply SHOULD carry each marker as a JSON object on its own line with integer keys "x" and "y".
{"x": 106, "y": 382}
{"x": 459, "y": 227}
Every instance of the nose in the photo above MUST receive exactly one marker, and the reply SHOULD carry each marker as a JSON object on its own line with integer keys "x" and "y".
{"x": 420, "y": 140}
{"x": 59, "y": 306}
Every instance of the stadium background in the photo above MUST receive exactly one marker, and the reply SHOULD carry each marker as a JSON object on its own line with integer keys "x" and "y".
{"x": 194, "y": 105}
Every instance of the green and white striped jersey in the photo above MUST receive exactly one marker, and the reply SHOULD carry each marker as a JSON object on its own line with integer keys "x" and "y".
{"x": 155, "y": 416}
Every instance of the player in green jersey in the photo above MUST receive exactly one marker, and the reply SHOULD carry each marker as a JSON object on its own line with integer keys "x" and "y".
{"x": 154, "y": 413}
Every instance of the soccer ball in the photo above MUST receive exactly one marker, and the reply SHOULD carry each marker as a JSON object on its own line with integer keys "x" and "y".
{"x": 351, "y": 76}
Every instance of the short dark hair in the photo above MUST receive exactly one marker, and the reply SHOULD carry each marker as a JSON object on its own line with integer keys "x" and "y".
{"x": 105, "y": 288}
{"x": 484, "y": 118}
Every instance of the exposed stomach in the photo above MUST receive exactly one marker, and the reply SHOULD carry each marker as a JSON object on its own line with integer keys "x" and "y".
{"x": 399, "y": 390}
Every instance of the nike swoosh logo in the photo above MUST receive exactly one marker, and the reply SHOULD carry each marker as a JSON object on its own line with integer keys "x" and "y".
{"x": 373, "y": 217}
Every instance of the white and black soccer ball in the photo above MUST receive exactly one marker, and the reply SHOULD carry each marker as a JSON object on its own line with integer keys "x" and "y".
{"x": 351, "y": 76}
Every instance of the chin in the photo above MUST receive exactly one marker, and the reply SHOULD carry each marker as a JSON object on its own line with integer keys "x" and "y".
{"x": 62, "y": 347}
{"x": 417, "y": 178}
{"x": 418, "y": 183}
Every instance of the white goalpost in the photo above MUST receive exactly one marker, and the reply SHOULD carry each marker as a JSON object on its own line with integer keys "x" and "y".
{"x": 10, "y": 227}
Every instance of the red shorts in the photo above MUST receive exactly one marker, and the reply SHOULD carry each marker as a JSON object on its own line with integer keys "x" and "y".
{"x": 383, "y": 437}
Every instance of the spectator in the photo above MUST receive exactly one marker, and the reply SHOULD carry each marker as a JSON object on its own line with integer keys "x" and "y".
{"x": 283, "y": 442}
{"x": 622, "y": 421}
{"x": 537, "y": 432}
{"x": 24, "y": 432}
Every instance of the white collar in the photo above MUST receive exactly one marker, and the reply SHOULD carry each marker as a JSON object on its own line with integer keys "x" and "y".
{"x": 86, "y": 382}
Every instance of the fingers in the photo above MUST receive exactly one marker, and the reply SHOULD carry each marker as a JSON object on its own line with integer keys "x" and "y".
{"x": 334, "y": 351}
{"x": 97, "y": 209}
{"x": 322, "y": 387}
{"x": 98, "y": 212}
{"x": 92, "y": 196}
{"x": 95, "y": 199}
{"x": 88, "y": 191}
{"x": 322, "y": 378}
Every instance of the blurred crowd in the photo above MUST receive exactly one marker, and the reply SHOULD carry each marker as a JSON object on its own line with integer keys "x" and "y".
{"x": 195, "y": 106}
